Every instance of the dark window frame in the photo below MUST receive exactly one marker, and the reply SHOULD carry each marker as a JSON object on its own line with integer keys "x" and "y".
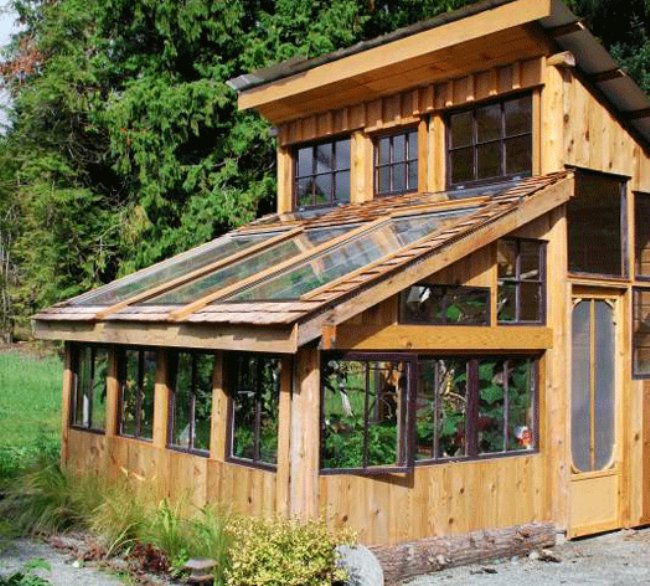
{"x": 76, "y": 350}
{"x": 414, "y": 360}
{"x": 120, "y": 355}
{"x": 624, "y": 227}
{"x": 473, "y": 402}
{"x": 475, "y": 144}
{"x": 637, "y": 274}
{"x": 401, "y": 319}
{"x": 542, "y": 282}
{"x": 230, "y": 438}
{"x": 333, "y": 201}
{"x": 636, "y": 375}
{"x": 407, "y": 161}
{"x": 173, "y": 381}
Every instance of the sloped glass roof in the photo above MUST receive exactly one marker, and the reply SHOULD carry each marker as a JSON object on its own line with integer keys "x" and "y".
{"x": 173, "y": 268}
{"x": 248, "y": 266}
{"x": 346, "y": 257}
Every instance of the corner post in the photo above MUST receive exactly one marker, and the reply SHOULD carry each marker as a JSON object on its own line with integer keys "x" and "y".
{"x": 283, "y": 473}
{"x": 305, "y": 435}
{"x": 66, "y": 398}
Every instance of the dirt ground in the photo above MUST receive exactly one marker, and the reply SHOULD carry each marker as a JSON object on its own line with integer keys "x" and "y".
{"x": 621, "y": 558}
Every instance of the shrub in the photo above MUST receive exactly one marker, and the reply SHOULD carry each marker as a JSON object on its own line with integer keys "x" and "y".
{"x": 284, "y": 553}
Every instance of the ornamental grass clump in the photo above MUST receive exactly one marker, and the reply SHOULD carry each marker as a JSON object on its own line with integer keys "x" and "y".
{"x": 284, "y": 553}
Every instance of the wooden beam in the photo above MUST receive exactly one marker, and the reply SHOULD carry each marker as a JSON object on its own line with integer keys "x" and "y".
{"x": 563, "y": 59}
{"x": 280, "y": 340}
{"x": 283, "y": 472}
{"x": 538, "y": 205}
{"x": 172, "y": 283}
{"x": 607, "y": 75}
{"x": 305, "y": 435}
{"x": 566, "y": 29}
{"x": 398, "y": 53}
{"x": 441, "y": 338}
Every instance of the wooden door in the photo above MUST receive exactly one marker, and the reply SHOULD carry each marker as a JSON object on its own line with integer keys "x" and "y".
{"x": 596, "y": 396}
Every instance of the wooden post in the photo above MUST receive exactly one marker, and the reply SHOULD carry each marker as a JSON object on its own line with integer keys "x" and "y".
{"x": 219, "y": 424}
{"x": 305, "y": 435}
{"x": 361, "y": 176}
{"x": 423, "y": 156}
{"x": 552, "y": 105}
{"x": 283, "y": 473}
{"x": 112, "y": 393}
{"x": 285, "y": 180}
{"x": 66, "y": 398}
{"x": 161, "y": 400}
{"x": 437, "y": 170}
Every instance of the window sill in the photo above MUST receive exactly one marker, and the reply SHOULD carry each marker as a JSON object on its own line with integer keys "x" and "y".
{"x": 251, "y": 464}
{"x": 88, "y": 429}
{"x": 189, "y": 452}
{"x": 384, "y": 471}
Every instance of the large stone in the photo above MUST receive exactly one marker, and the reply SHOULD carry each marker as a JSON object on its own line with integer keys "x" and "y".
{"x": 361, "y": 564}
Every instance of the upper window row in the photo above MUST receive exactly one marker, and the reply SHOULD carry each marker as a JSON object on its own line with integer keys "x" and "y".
{"x": 485, "y": 143}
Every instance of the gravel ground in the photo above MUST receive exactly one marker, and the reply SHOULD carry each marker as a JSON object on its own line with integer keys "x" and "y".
{"x": 62, "y": 572}
{"x": 621, "y": 558}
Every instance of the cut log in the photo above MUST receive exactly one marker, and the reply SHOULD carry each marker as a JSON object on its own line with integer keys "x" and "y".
{"x": 415, "y": 558}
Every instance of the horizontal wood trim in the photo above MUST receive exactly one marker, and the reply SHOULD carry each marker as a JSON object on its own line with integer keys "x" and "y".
{"x": 247, "y": 338}
{"x": 399, "y": 53}
{"x": 441, "y": 338}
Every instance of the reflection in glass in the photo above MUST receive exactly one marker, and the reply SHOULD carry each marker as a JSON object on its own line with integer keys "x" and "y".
{"x": 445, "y": 305}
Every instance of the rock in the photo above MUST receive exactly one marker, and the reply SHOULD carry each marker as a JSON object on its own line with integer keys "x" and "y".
{"x": 546, "y": 555}
{"x": 361, "y": 564}
{"x": 534, "y": 555}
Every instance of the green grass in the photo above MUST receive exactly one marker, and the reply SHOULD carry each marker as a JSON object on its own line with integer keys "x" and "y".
{"x": 30, "y": 408}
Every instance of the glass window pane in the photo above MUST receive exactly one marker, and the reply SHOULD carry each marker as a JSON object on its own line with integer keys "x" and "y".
{"x": 148, "y": 386}
{"x": 383, "y": 149}
{"x": 383, "y": 180}
{"x": 604, "y": 372}
{"x": 462, "y": 165}
{"x": 324, "y": 158}
{"x": 491, "y": 405}
{"x": 182, "y": 400}
{"x": 507, "y": 302}
{"x": 413, "y": 145}
{"x": 519, "y": 156}
{"x": 100, "y": 374}
{"x": 203, "y": 400}
{"x": 642, "y": 240}
{"x": 425, "y": 409}
{"x": 412, "y": 175}
{"x": 130, "y": 369}
{"x": 343, "y": 154}
{"x": 177, "y": 266}
{"x": 507, "y": 259}
{"x": 519, "y": 116}
{"x": 594, "y": 225}
{"x": 443, "y": 305}
{"x": 268, "y": 401}
{"x": 461, "y": 130}
{"x": 342, "y": 193}
{"x": 305, "y": 190}
{"x": 452, "y": 393}
{"x": 581, "y": 387}
{"x": 530, "y": 302}
{"x": 244, "y": 387}
{"x": 521, "y": 416}
{"x": 488, "y": 123}
{"x": 305, "y": 164}
{"x": 344, "y": 386}
{"x": 642, "y": 332}
{"x": 323, "y": 189}
{"x": 81, "y": 414}
{"x": 347, "y": 257}
{"x": 529, "y": 253}
{"x": 399, "y": 178}
{"x": 399, "y": 148}
{"x": 488, "y": 160}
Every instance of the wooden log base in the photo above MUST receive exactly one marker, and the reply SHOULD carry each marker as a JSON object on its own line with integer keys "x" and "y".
{"x": 416, "y": 558}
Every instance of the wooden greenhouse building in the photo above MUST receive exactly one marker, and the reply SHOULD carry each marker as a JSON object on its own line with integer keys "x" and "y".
{"x": 444, "y": 328}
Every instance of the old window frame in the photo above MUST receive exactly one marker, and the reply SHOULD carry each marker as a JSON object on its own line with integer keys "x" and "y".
{"x": 448, "y": 289}
{"x": 409, "y": 159}
{"x": 77, "y": 351}
{"x": 475, "y": 144}
{"x": 229, "y": 384}
{"x": 636, "y": 292}
{"x": 121, "y": 370}
{"x": 517, "y": 281}
{"x": 333, "y": 172}
{"x": 415, "y": 360}
{"x": 173, "y": 389}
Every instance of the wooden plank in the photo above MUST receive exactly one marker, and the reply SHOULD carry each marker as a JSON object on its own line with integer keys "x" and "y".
{"x": 305, "y": 435}
{"x": 442, "y": 338}
{"x": 552, "y": 99}
{"x": 112, "y": 393}
{"x": 285, "y": 180}
{"x": 162, "y": 396}
{"x": 423, "y": 156}
{"x": 361, "y": 176}
{"x": 221, "y": 337}
{"x": 220, "y": 402}
{"x": 400, "y": 51}
{"x": 283, "y": 473}
{"x": 66, "y": 399}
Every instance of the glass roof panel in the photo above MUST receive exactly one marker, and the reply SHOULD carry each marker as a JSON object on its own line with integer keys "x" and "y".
{"x": 248, "y": 266}
{"x": 346, "y": 257}
{"x": 173, "y": 268}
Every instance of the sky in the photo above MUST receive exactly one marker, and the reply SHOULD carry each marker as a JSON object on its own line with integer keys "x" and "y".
{"x": 7, "y": 27}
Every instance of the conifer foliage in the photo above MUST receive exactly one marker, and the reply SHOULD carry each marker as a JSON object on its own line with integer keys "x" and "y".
{"x": 125, "y": 145}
